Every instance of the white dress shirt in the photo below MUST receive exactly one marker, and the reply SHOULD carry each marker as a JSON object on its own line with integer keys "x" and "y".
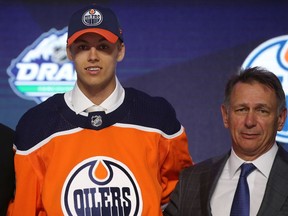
{"x": 223, "y": 195}
{"x": 80, "y": 104}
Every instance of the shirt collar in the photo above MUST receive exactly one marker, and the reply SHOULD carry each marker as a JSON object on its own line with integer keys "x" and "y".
{"x": 79, "y": 102}
{"x": 263, "y": 163}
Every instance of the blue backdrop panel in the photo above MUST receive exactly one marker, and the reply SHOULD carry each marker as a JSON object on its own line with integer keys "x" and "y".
{"x": 184, "y": 52}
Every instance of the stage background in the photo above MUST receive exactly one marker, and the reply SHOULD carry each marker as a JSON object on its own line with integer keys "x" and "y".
{"x": 182, "y": 50}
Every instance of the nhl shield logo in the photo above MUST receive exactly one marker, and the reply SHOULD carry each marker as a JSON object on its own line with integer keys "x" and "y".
{"x": 96, "y": 120}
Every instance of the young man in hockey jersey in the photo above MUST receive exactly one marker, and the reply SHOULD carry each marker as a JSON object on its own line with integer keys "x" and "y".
{"x": 99, "y": 149}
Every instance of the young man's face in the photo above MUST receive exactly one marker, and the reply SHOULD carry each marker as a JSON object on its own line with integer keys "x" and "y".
{"x": 95, "y": 61}
{"x": 253, "y": 119}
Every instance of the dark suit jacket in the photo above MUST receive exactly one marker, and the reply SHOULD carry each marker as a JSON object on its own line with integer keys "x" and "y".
{"x": 196, "y": 185}
{"x": 7, "y": 176}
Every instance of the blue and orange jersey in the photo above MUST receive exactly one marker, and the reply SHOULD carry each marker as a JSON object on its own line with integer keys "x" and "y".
{"x": 126, "y": 162}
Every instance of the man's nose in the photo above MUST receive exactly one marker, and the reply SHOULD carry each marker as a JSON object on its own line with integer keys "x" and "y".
{"x": 250, "y": 119}
{"x": 93, "y": 54}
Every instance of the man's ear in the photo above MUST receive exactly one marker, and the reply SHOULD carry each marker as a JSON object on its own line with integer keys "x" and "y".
{"x": 224, "y": 111}
{"x": 121, "y": 53}
{"x": 282, "y": 119}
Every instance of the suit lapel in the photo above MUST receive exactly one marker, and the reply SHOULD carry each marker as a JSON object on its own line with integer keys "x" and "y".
{"x": 276, "y": 191}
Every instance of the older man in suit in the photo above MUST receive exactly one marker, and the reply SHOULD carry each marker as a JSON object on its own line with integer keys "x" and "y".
{"x": 7, "y": 176}
{"x": 254, "y": 110}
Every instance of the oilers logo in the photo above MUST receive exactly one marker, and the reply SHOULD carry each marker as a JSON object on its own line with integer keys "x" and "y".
{"x": 92, "y": 17}
{"x": 101, "y": 186}
{"x": 273, "y": 55}
{"x": 43, "y": 68}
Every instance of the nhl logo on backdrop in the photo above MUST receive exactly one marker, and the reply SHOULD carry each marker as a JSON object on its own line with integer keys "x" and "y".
{"x": 273, "y": 55}
{"x": 43, "y": 69}
{"x": 101, "y": 186}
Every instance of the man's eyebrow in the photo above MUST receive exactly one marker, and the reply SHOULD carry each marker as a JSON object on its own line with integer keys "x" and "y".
{"x": 79, "y": 40}
{"x": 102, "y": 39}
{"x": 256, "y": 105}
{"x": 262, "y": 105}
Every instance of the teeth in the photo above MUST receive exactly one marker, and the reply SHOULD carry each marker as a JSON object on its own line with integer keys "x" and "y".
{"x": 93, "y": 68}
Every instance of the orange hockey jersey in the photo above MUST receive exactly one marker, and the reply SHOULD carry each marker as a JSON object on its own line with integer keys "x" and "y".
{"x": 122, "y": 163}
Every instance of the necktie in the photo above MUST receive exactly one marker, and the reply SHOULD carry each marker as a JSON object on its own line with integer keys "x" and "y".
{"x": 241, "y": 201}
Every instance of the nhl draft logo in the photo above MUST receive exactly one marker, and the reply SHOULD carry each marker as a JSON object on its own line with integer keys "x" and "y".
{"x": 101, "y": 186}
{"x": 273, "y": 55}
{"x": 43, "y": 68}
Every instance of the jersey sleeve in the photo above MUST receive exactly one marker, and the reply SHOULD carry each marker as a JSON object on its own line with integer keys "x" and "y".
{"x": 28, "y": 184}
{"x": 29, "y": 167}
{"x": 174, "y": 154}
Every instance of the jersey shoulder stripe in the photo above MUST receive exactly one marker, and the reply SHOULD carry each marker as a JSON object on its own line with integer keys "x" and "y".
{"x": 53, "y": 116}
